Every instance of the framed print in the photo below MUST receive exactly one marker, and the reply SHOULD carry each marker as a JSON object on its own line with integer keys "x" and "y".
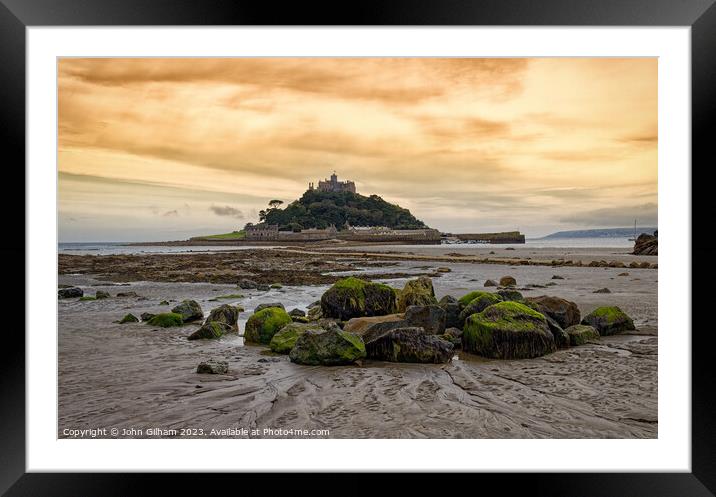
{"x": 425, "y": 229}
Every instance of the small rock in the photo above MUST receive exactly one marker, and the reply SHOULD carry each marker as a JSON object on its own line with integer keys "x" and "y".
{"x": 127, "y": 294}
{"x": 276, "y": 286}
{"x": 247, "y": 284}
{"x": 213, "y": 367}
{"x": 146, "y": 316}
{"x": 508, "y": 281}
{"x": 190, "y": 310}
{"x": 163, "y": 302}
{"x": 557, "y": 277}
{"x": 443, "y": 270}
{"x": 490, "y": 283}
{"x": 261, "y": 307}
{"x": 296, "y": 313}
{"x": 623, "y": 274}
{"x": 602, "y": 290}
{"x": 99, "y": 294}
{"x": 69, "y": 293}
{"x": 129, "y": 318}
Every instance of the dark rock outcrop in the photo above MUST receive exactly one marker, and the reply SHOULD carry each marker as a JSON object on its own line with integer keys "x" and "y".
{"x": 452, "y": 311}
{"x": 190, "y": 310}
{"x": 646, "y": 244}
{"x": 70, "y": 293}
{"x": 431, "y": 318}
{"x": 411, "y": 344}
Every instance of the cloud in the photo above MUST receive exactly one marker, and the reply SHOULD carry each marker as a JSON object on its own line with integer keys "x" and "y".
{"x": 612, "y": 217}
{"x": 226, "y": 211}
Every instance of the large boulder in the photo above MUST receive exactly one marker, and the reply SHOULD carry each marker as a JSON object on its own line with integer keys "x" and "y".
{"x": 563, "y": 311}
{"x": 579, "y": 334}
{"x": 261, "y": 307}
{"x": 225, "y": 314}
{"x": 609, "y": 320}
{"x": 70, "y": 293}
{"x": 646, "y": 244}
{"x": 370, "y": 327}
{"x": 452, "y": 311}
{"x": 263, "y": 325}
{"x": 410, "y": 344}
{"x": 417, "y": 292}
{"x": 285, "y": 339}
{"x": 429, "y": 317}
{"x": 190, "y": 310}
{"x": 211, "y": 329}
{"x": 482, "y": 301}
{"x": 508, "y": 330}
{"x": 352, "y": 297}
{"x": 327, "y": 347}
{"x": 166, "y": 320}
{"x": 510, "y": 295}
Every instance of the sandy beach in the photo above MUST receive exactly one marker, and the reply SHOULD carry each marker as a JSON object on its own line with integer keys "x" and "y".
{"x": 137, "y": 377}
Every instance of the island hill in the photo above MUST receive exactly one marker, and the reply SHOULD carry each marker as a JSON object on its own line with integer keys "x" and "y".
{"x": 333, "y": 210}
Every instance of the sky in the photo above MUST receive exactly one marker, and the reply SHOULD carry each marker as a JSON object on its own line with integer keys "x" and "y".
{"x": 163, "y": 149}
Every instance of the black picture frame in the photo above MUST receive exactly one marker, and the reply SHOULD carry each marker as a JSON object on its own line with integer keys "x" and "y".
{"x": 700, "y": 15}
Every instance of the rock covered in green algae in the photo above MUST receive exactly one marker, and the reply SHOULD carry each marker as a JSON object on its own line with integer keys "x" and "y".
{"x": 417, "y": 292}
{"x": 352, "y": 297}
{"x": 166, "y": 320}
{"x": 129, "y": 318}
{"x": 212, "y": 329}
{"x": 429, "y": 317}
{"x": 411, "y": 344}
{"x": 327, "y": 347}
{"x": 70, "y": 293}
{"x": 263, "y": 325}
{"x": 508, "y": 281}
{"x": 579, "y": 334}
{"x": 99, "y": 294}
{"x": 563, "y": 311}
{"x": 508, "y": 330}
{"x": 479, "y": 303}
{"x": 190, "y": 310}
{"x": 469, "y": 297}
{"x": 510, "y": 295}
{"x": 285, "y": 339}
{"x": 225, "y": 314}
{"x": 609, "y": 320}
{"x": 213, "y": 366}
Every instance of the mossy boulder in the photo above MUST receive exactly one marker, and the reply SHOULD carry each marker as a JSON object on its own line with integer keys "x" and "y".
{"x": 352, "y": 297}
{"x": 417, "y": 292}
{"x": 508, "y": 330}
{"x": 212, "y": 329}
{"x": 609, "y": 320}
{"x": 129, "y": 318}
{"x": 482, "y": 301}
{"x": 579, "y": 334}
{"x": 327, "y": 347}
{"x": 508, "y": 281}
{"x": 70, "y": 293}
{"x": 190, "y": 310}
{"x": 99, "y": 294}
{"x": 565, "y": 312}
{"x": 285, "y": 339}
{"x": 411, "y": 344}
{"x": 166, "y": 320}
{"x": 225, "y": 314}
{"x": 509, "y": 295}
{"x": 429, "y": 317}
{"x": 263, "y": 325}
{"x": 213, "y": 366}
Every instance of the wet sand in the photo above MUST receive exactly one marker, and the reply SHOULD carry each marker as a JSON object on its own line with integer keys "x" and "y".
{"x": 137, "y": 376}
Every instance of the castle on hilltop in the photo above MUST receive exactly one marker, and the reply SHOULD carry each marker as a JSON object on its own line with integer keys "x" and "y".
{"x": 333, "y": 185}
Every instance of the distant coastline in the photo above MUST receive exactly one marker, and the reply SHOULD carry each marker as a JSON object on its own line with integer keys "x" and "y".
{"x": 598, "y": 233}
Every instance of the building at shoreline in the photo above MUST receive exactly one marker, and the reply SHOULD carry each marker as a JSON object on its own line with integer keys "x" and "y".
{"x": 333, "y": 185}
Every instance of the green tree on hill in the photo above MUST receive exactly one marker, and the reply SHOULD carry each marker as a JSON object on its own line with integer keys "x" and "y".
{"x": 320, "y": 210}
